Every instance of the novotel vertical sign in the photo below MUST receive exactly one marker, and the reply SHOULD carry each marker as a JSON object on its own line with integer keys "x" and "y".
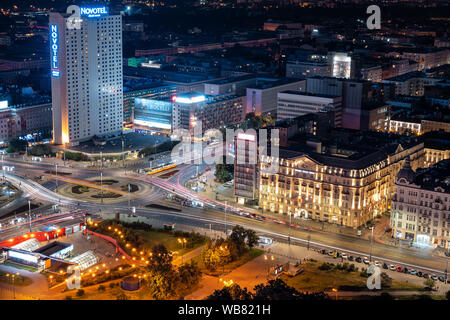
{"x": 93, "y": 12}
{"x": 54, "y": 46}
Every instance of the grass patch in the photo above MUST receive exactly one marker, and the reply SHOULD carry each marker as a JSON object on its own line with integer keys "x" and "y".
{"x": 247, "y": 257}
{"x": 133, "y": 188}
{"x": 169, "y": 240}
{"x": 106, "y": 195}
{"x": 19, "y": 280}
{"x": 314, "y": 279}
{"x": 19, "y": 266}
{"x": 107, "y": 182}
{"x": 80, "y": 189}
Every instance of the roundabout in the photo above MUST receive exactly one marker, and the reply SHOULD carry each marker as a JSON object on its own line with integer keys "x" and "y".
{"x": 111, "y": 189}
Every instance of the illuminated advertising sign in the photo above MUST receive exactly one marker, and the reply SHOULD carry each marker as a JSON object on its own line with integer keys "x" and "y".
{"x": 54, "y": 45}
{"x": 188, "y": 100}
{"x": 4, "y": 104}
{"x": 245, "y": 136}
{"x": 93, "y": 12}
{"x": 23, "y": 256}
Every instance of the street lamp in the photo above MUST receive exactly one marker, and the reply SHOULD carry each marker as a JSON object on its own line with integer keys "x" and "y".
{"x": 290, "y": 222}
{"x": 371, "y": 245}
{"x": 29, "y": 213}
{"x": 335, "y": 291}
{"x": 56, "y": 170}
{"x": 13, "y": 279}
{"x": 3, "y": 166}
{"x": 226, "y": 202}
{"x": 101, "y": 186}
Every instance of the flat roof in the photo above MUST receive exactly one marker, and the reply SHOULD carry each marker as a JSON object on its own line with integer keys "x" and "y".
{"x": 132, "y": 141}
{"x": 52, "y": 248}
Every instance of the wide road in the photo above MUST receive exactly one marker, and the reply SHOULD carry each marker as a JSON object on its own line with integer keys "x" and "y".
{"x": 216, "y": 217}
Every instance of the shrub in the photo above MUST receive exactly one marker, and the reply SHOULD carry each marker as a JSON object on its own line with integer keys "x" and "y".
{"x": 326, "y": 266}
{"x": 122, "y": 296}
{"x": 112, "y": 285}
{"x": 101, "y": 288}
{"x": 80, "y": 293}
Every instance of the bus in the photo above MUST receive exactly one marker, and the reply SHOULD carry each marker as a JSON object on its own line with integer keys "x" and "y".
{"x": 161, "y": 168}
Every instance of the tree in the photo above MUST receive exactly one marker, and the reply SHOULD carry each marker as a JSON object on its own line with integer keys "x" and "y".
{"x": 233, "y": 292}
{"x": 16, "y": 145}
{"x": 429, "y": 284}
{"x": 279, "y": 290}
{"x": 161, "y": 260}
{"x": 80, "y": 293}
{"x": 189, "y": 274}
{"x": 224, "y": 171}
{"x": 216, "y": 254}
{"x": 447, "y": 295}
{"x": 40, "y": 150}
{"x": 237, "y": 236}
{"x": 163, "y": 285}
{"x": 252, "y": 238}
{"x": 243, "y": 238}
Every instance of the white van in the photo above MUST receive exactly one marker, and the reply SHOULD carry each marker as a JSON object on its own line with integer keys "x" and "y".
{"x": 265, "y": 241}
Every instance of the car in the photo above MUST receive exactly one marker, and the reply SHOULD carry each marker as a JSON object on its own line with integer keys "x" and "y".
{"x": 392, "y": 267}
{"x": 405, "y": 270}
{"x": 358, "y": 259}
{"x": 366, "y": 260}
{"x": 412, "y": 271}
{"x": 323, "y": 251}
{"x": 350, "y": 258}
{"x": 399, "y": 269}
{"x": 331, "y": 253}
{"x": 377, "y": 263}
{"x": 434, "y": 277}
{"x": 441, "y": 278}
{"x": 419, "y": 273}
{"x": 426, "y": 275}
{"x": 344, "y": 255}
{"x": 385, "y": 266}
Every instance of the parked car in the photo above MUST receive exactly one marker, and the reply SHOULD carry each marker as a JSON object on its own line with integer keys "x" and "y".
{"x": 412, "y": 271}
{"x": 350, "y": 258}
{"x": 377, "y": 263}
{"x": 358, "y": 259}
{"x": 385, "y": 266}
{"x": 419, "y": 273}
{"x": 344, "y": 255}
{"x": 426, "y": 275}
{"x": 405, "y": 270}
{"x": 392, "y": 267}
{"x": 323, "y": 251}
{"x": 331, "y": 253}
{"x": 441, "y": 278}
{"x": 434, "y": 277}
{"x": 400, "y": 269}
{"x": 366, "y": 260}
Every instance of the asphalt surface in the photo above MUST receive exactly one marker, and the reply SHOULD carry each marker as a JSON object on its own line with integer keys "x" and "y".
{"x": 214, "y": 216}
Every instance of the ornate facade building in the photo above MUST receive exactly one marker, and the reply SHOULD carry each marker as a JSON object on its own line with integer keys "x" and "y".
{"x": 421, "y": 205}
{"x": 347, "y": 184}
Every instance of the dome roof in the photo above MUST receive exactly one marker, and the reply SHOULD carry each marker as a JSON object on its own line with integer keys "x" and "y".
{"x": 406, "y": 172}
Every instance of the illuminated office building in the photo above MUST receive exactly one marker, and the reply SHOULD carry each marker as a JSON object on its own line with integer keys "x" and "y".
{"x": 86, "y": 71}
{"x": 342, "y": 184}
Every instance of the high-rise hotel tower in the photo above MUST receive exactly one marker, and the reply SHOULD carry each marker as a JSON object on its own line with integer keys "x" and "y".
{"x": 86, "y": 71}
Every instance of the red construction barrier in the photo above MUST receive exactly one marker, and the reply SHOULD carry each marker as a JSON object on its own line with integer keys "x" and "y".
{"x": 111, "y": 240}
{"x": 40, "y": 236}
